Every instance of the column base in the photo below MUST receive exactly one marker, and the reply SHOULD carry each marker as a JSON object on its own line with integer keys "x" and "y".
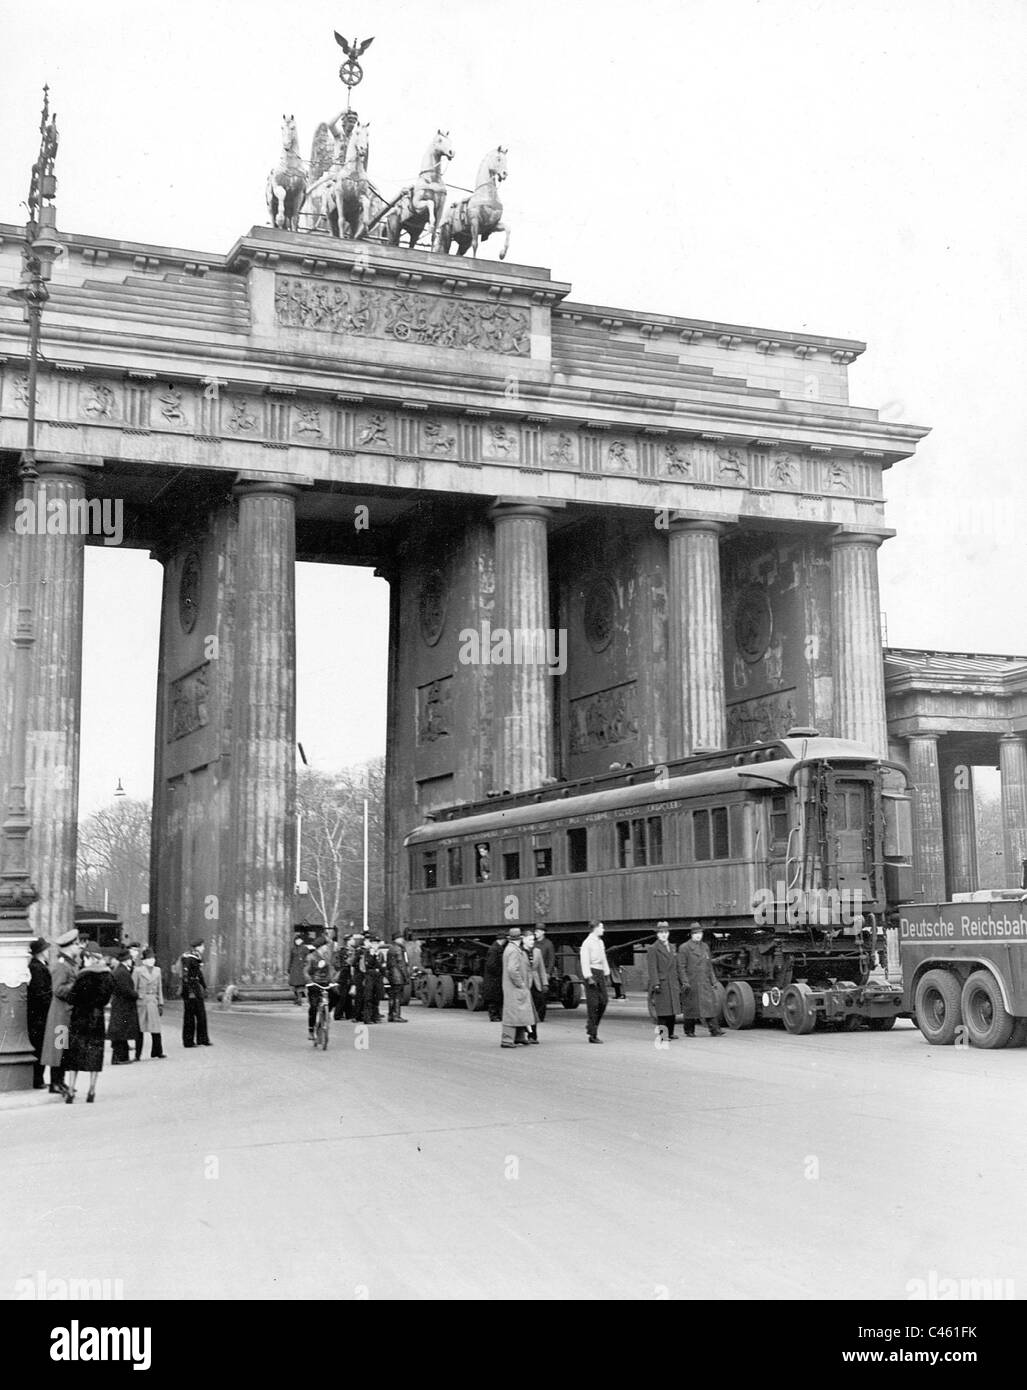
{"x": 259, "y": 994}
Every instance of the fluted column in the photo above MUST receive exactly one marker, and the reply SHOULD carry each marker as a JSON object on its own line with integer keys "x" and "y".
{"x": 394, "y": 857}
{"x": 55, "y": 704}
{"x": 928, "y": 845}
{"x": 960, "y": 822}
{"x": 695, "y": 639}
{"x": 263, "y": 790}
{"x": 1012, "y": 761}
{"x": 857, "y": 658}
{"x": 524, "y": 688}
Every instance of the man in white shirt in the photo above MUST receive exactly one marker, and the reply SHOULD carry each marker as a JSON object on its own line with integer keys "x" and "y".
{"x": 595, "y": 971}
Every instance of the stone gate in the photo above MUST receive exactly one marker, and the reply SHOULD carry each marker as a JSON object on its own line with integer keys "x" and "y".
{"x": 691, "y": 510}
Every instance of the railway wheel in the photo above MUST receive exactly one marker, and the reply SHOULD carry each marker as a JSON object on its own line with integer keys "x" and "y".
{"x": 739, "y": 1005}
{"x": 570, "y": 994}
{"x": 1018, "y": 1037}
{"x": 474, "y": 994}
{"x": 428, "y": 983}
{"x": 987, "y": 1020}
{"x": 881, "y": 1025}
{"x": 719, "y": 993}
{"x": 938, "y": 1009}
{"x": 797, "y": 1013}
{"x": 445, "y": 991}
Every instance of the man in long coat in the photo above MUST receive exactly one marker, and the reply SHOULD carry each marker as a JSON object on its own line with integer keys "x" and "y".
{"x": 698, "y": 984}
{"x": 37, "y": 1005}
{"x": 398, "y": 969}
{"x": 664, "y": 989}
{"x": 124, "y": 1024}
{"x": 149, "y": 988}
{"x": 492, "y": 974}
{"x": 538, "y": 981}
{"x": 58, "y": 1018}
{"x": 518, "y": 1010}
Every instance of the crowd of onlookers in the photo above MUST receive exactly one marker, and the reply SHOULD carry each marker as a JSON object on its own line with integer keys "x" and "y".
{"x": 358, "y": 973}
{"x": 67, "y": 1008}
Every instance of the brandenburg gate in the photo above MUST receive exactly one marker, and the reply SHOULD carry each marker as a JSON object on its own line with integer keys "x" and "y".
{"x": 694, "y": 508}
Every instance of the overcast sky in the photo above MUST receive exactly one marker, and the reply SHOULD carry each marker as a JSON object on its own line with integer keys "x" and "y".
{"x": 854, "y": 169}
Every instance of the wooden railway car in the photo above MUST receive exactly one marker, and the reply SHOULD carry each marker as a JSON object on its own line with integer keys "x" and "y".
{"x": 791, "y": 854}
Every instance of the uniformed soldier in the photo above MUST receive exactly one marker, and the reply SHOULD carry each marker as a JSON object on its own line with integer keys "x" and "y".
{"x": 399, "y": 977}
{"x": 194, "y": 990}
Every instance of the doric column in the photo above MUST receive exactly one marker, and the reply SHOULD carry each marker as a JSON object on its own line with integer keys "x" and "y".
{"x": 857, "y": 658}
{"x": 523, "y": 684}
{"x": 263, "y": 790}
{"x": 55, "y": 705}
{"x": 928, "y": 850}
{"x": 394, "y": 858}
{"x": 695, "y": 659}
{"x": 1012, "y": 761}
{"x": 960, "y": 823}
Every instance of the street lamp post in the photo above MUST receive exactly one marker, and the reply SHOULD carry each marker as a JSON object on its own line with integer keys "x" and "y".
{"x": 17, "y": 891}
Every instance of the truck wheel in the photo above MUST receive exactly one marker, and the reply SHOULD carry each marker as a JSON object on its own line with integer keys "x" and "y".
{"x": 938, "y": 1010}
{"x": 445, "y": 991}
{"x": 881, "y": 1025}
{"x": 570, "y": 994}
{"x": 1018, "y": 1037}
{"x": 985, "y": 1015}
{"x": 428, "y": 983}
{"x": 739, "y": 1005}
{"x": 474, "y": 994}
{"x": 797, "y": 1014}
{"x": 719, "y": 993}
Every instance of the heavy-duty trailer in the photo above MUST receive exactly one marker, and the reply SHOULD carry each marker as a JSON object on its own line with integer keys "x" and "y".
{"x": 964, "y": 969}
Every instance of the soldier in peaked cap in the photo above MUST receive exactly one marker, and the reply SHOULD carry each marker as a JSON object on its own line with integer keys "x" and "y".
{"x": 194, "y": 989}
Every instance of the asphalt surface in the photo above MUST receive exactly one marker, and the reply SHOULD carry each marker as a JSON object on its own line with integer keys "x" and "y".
{"x": 430, "y": 1163}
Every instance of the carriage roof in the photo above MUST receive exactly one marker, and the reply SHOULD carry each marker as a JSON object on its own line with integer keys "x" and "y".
{"x": 758, "y": 773}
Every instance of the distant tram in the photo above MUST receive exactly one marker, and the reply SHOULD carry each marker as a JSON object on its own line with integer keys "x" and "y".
{"x": 792, "y": 854}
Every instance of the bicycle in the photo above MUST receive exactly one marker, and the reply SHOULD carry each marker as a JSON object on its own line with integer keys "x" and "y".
{"x": 322, "y": 1022}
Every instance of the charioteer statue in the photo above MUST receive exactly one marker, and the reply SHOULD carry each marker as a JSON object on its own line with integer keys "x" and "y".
{"x": 332, "y": 192}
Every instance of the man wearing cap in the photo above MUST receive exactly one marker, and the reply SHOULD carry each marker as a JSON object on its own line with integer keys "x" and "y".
{"x": 58, "y": 1018}
{"x": 399, "y": 977}
{"x": 492, "y": 975}
{"x": 518, "y": 1011}
{"x": 664, "y": 989}
{"x": 595, "y": 971}
{"x": 194, "y": 989}
{"x": 40, "y": 992}
{"x": 124, "y": 1025}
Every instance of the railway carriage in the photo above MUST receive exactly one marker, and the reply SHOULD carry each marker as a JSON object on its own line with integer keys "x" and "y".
{"x": 791, "y": 854}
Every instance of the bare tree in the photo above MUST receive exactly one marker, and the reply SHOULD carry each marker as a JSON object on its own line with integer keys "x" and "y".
{"x": 332, "y": 842}
{"x": 114, "y": 856}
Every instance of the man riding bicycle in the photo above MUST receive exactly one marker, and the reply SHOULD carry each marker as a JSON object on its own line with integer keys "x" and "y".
{"x": 319, "y": 973}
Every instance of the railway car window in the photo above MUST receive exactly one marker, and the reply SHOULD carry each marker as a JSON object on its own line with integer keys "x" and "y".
{"x": 639, "y": 842}
{"x": 577, "y": 850}
{"x": 543, "y": 857}
{"x": 429, "y": 869}
{"x": 482, "y": 862}
{"x": 455, "y": 865}
{"x": 778, "y": 819}
{"x": 511, "y": 862}
{"x": 654, "y": 828}
{"x": 623, "y": 833}
{"x": 710, "y": 828}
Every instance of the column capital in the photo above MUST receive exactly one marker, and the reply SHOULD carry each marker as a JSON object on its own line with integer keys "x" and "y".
{"x": 696, "y": 525}
{"x": 505, "y": 507}
{"x": 46, "y": 463}
{"x": 846, "y": 537}
{"x": 931, "y": 734}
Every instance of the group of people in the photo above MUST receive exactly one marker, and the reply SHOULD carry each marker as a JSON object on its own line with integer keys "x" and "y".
{"x": 358, "y": 974}
{"x": 67, "y": 1001}
{"x": 518, "y": 968}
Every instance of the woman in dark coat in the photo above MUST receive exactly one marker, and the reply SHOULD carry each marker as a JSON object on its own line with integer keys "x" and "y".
{"x": 89, "y": 995}
{"x": 698, "y": 984}
{"x": 124, "y": 1027}
{"x": 40, "y": 992}
{"x": 664, "y": 989}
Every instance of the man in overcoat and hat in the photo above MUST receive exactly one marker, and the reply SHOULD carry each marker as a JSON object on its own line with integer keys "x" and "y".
{"x": 518, "y": 1010}
{"x": 58, "y": 1018}
{"x": 664, "y": 989}
{"x": 698, "y": 984}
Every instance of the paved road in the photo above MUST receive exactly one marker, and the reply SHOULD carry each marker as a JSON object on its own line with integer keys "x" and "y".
{"x": 432, "y": 1164}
